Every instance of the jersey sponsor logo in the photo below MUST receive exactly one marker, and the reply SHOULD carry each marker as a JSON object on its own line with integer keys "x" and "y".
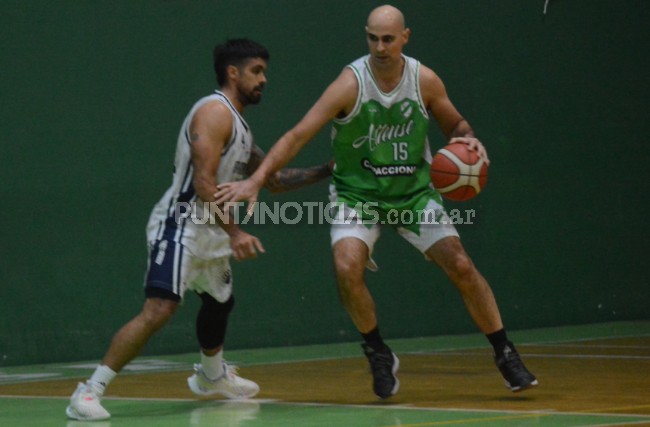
{"x": 388, "y": 170}
{"x": 379, "y": 134}
{"x": 406, "y": 109}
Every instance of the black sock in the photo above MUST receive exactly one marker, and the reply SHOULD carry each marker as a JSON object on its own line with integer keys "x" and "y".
{"x": 499, "y": 341}
{"x": 374, "y": 340}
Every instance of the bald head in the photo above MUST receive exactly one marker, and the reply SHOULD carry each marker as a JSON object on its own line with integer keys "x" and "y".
{"x": 386, "y": 35}
{"x": 386, "y": 16}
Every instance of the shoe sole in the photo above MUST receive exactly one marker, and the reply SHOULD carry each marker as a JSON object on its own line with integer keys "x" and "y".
{"x": 74, "y": 415}
{"x": 194, "y": 387}
{"x": 521, "y": 388}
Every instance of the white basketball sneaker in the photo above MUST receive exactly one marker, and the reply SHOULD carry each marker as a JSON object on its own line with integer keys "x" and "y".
{"x": 85, "y": 406}
{"x": 229, "y": 384}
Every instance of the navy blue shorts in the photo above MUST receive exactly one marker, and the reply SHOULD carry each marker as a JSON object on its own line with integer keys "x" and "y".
{"x": 173, "y": 269}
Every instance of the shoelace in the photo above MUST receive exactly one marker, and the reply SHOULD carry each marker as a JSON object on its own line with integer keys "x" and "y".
{"x": 228, "y": 370}
{"x": 382, "y": 363}
{"x": 513, "y": 362}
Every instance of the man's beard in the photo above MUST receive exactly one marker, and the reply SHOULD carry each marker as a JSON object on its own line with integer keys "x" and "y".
{"x": 251, "y": 98}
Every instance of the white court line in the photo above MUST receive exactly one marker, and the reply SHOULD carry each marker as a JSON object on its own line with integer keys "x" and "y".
{"x": 540, "y": 355}
{"x": 464, "y": 351}
{"x": 631, "y": 423}
{"x": 587, "y": 356}
{"x": 586, "y": 339}
{"x": 635, "y": 347}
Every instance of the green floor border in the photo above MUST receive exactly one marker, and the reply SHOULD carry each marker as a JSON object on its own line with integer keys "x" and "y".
{"x": 46, "y": 412}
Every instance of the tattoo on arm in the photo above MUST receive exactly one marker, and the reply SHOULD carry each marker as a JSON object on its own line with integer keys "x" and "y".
{"x": 255, "y": 160}
{"x": 288, "y": 178}
{"x": 292, "y": 179}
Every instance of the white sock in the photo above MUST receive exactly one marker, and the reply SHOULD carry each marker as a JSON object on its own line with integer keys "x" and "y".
{"x": 212, "y": 365}
{"x": 101, "y": 378}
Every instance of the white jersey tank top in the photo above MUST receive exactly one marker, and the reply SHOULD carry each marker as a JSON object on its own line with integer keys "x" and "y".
{"x": 180, "y": 215}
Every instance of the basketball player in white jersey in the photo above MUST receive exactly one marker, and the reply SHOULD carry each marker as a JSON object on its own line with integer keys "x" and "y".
{"x": 191, "y": 252}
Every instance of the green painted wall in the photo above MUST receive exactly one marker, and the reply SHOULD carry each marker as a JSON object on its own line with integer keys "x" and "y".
{"x": 93, "y": 93}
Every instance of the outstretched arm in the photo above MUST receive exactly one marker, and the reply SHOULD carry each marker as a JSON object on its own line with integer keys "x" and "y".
{"x": 288, "y": 178}
{"x": 338, "y": 98}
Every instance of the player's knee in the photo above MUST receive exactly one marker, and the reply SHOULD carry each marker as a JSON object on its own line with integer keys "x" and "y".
{"x": 157, "y": 312}
{"x": 460, "y": 268}
{"x": 350, "y": 288}
{"x": 350, "y": 258}
{"x": 212, "y": 321}
{"x": 348, "y": 269}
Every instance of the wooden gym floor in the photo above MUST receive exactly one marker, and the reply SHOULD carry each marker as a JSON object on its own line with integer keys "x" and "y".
{"x": 596, "y": 375}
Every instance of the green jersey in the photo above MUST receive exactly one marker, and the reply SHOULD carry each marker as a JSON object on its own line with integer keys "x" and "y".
{"x": 381, "y": 148}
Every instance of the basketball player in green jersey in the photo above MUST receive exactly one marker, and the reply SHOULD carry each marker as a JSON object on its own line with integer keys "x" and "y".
{"x": 380, "y": 106}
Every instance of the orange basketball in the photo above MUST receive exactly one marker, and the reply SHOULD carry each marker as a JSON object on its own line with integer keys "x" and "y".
{"x": 457, "y": 172}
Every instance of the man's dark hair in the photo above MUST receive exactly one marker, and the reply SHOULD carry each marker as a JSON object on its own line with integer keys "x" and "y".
{"x": 236, "y": 52}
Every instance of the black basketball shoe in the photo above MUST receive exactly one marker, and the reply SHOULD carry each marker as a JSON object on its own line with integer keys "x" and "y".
{"x": 383, "y": 365}
{"x": 515, "y": 374}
